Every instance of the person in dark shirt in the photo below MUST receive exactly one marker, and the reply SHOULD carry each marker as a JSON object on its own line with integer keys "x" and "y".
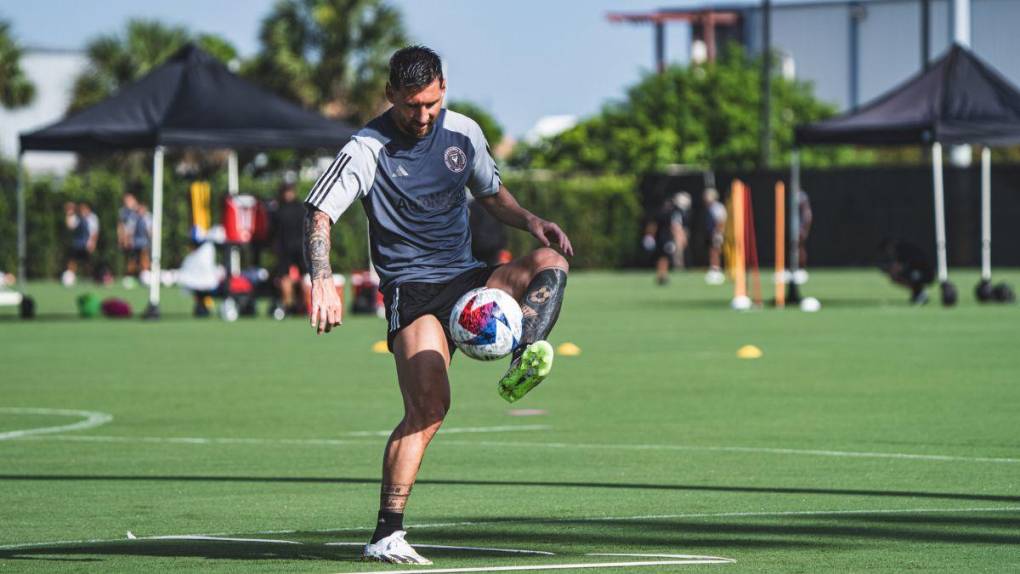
{"x": 666, "y": 237}
{"x": 488, "y": 236}
{"x": 907, "y": 265}
{"x": 288, "y": 242}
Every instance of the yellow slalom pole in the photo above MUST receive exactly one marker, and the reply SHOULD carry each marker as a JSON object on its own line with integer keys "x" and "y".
{"x": 780, "y": 245}
{"x": 739, "y": 267}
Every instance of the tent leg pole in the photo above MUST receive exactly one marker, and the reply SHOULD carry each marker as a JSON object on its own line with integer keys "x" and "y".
{"x": 793, "y": 290}
{"x": 233, "y": 189}
{"x": 986, "y": 214}
{"x": 22, "y": 236}
{"x": 940, "y": 214}
{"x": 155, "y": 275}
{"x": 949, "y": 294}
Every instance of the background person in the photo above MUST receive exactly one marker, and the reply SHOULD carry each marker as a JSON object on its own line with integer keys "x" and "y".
{"x": 84, "y": 227}
{"x": 127, "y": 220}
{"x": 142, "y": 238}
{"x": 666, "y": 238}
{"x": 488, "y": 235}
{"x": 134, "y": 231}
{"x": 907, "y": 265}
{"x": 287, "y": 237}
{"x": 715, "y": 221}
{"x": 800, "y": 276}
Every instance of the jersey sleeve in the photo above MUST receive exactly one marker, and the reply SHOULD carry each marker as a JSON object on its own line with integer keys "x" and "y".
{"x": 485, "y": 178}
{"x": 347, "y": 179}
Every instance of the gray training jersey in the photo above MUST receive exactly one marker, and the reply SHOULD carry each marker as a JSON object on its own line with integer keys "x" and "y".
{"x": 413, "y": 193}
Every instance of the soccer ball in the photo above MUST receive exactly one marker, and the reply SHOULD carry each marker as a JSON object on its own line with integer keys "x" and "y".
{"x": 486, "y": 323}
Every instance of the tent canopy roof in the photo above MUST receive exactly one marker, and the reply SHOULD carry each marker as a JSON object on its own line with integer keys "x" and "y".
{"x": 190, "y": 100}
{"x": 959, "y": 99}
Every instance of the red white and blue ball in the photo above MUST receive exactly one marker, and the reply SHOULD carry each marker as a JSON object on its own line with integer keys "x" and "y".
{"x": 486, "y": 323}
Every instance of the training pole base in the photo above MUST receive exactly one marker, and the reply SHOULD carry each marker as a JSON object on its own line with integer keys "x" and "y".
{"x": 151, "y": 312}
{"x": 792, "y": 294}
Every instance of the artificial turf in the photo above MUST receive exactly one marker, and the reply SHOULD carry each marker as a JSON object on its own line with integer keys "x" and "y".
{"x": 871, "y": 436}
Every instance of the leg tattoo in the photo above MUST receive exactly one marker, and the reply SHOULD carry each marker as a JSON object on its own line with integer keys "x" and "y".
{"x": 541, "y": 306}
{"x": 392, "y": 500}
{"x": 393, "y": 497}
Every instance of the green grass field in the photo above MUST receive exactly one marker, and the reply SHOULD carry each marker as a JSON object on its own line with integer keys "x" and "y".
{"x": 871, "y": 436}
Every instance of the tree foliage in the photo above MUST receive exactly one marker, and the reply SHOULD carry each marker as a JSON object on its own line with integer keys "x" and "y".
{"x": 700, "y": 114}
{"x": 490, "y": 127}
{"x": 116, "y": 60}
{"x": 16, "y": 90}
{"x": 331, "y": 55}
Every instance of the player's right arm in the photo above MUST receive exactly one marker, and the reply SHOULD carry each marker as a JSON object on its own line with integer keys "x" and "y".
{"x": 327, "y": 310}
{"x": 348, "y": 178}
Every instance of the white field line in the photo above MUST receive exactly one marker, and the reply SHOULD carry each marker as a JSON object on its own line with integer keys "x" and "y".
{"x": 470, "y": 548}
{"x": 554, "y": 520}
{"x": 92, "y": 420}
{"x": 679, "y": 559}
{"x": 746, "y": 449}
{"x": 294, "y": 441}
{"x": 552, "y": 445}
{"x": 460, "y": 430}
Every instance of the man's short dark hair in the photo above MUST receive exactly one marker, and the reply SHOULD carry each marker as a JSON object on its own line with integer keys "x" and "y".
{"x": 414, "y": 67}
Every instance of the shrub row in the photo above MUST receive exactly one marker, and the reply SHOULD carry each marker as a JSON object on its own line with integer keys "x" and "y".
{"x": 601, "y": 215}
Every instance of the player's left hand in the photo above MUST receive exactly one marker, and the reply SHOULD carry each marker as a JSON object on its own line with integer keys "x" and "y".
{"x": 550, "y": 234}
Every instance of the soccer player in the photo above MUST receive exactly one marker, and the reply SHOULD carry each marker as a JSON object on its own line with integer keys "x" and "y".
{"x": 410, "y": 167}
{"x": 908, "y": 265}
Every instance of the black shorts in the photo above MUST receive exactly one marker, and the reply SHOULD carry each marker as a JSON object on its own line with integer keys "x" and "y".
{"x": 287, "y": 258}
{"x": 81, "y": 255}
{"x": 410, "y": 300}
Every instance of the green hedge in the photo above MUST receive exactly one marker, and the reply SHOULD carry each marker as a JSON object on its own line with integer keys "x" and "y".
{"x": 601, "y": 215}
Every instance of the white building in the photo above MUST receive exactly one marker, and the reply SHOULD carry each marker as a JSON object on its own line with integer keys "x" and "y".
{"x": 851, "y": 50}
{"x": 53, "y": 72}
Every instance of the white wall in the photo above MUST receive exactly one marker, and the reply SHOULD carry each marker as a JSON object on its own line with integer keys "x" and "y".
{"x": 889, "y": 42}
{"x": 53, "y": 73}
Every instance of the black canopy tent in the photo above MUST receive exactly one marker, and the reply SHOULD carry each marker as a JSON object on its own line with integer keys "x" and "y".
{"x": 959, "y": 100}
{"x": 191, "y": 100}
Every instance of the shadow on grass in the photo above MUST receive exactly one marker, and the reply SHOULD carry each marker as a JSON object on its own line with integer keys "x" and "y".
{"x": 570, "y": 539}
{"x": 173, "y": 316}
{"x": 211, "y": 549}
{"x": 525, "y": 483}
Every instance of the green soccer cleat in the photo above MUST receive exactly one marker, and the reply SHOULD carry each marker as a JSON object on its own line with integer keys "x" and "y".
{"x": 527, "y": 371}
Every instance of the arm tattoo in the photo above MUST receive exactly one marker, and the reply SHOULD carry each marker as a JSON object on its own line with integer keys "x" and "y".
{"x": 317, "y": 244}
{"x": 393, "y": 497}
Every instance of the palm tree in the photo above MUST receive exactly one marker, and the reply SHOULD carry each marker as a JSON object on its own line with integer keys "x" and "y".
{"x": 331, "y": 55}
{"x": 16, "y": 90}
{"x": 116, "y": 60}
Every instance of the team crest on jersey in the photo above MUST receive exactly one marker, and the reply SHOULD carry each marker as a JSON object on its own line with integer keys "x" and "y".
{"x": 455, "y": 159}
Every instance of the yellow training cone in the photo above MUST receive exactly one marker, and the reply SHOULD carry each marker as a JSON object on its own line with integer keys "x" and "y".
{"x": 380, "y": 347}
{"x": 568, "y": 350}
{"x": 749, "y": 352}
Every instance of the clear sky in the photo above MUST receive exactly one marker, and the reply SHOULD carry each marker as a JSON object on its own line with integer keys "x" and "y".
{"x": 520, "y": 59}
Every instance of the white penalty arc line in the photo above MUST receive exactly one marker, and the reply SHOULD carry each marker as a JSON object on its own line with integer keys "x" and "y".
{"x": 527, "y": 521}
{"x": 92, "y": 419}
{"x": 678, "y": 559}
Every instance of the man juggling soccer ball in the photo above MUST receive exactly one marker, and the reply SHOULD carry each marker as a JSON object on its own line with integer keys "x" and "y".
{"x": 410, "y": 167}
